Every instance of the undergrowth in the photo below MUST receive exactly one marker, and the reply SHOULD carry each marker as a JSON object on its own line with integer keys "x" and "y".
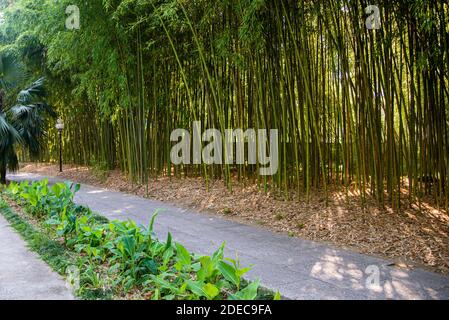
{"x": 117, "y": 259}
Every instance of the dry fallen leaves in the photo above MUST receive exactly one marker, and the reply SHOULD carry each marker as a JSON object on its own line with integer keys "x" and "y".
{"x": 417, "y": 236}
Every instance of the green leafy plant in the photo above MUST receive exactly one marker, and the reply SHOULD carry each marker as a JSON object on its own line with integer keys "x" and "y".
{"x": 120, "y": 256}
{"x": 23, "y": 123}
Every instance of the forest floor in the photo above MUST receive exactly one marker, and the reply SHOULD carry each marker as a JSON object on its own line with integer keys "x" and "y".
{"x": 412, "y": 236}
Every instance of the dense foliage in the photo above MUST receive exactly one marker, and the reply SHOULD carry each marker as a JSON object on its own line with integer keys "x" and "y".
{"x": 23, "y": 118}
{"x": 116, "y": 258}
{"x": 354, "y": 106}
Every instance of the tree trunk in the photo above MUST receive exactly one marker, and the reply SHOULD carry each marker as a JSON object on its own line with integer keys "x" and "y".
{"x": 2, "y": 169}
{"x": 2, "y": 175}
{"x": 2, "y": 99}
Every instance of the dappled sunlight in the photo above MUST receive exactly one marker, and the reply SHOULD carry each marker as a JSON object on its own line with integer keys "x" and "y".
{"x": 96, "y": 191}
{"x": 317, "y": 270}
{"x": 321, "y": 127}
{"x": 394, "y": 282}
{"x": 332, "y": 269}
{"x": 401, "y": 289}
{"x": 407, "y": 236}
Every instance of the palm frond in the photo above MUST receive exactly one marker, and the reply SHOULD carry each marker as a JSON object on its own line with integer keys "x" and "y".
{"x": 9, "y": 136}
{"x": 30, "y": 122}
{"x": 11, "y": 72}
{"x": 35, "y": 90}
{"x": 20, "y": 111}
{"x": 25, "y": 123}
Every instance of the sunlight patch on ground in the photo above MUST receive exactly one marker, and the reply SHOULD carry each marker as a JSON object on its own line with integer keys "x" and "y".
{"x": 96, "y": 191}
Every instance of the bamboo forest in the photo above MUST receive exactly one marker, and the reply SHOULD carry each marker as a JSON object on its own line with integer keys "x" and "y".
{"x": 337, "y": 97}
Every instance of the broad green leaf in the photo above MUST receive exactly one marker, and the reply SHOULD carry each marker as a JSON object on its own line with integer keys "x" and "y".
{"x": 248, "y": 293}
{"x": 208, "y": 290}
{"x": 151, "y": 265}
{"x": 182, "y": 254}
{"x": 56, "y": 189}
{"x": 211, "y": 290}
{"x": 153, "y": 219}
{"x": 159, "y": 280}
{"x": 207, "y": 268}
{"x": 229, "y": 273}
{"x": 242, "y": 271}
{"x": 168, "y": 254}
{"x": 156, "y": 295}
{"x": 44, "y": 190}
{"x": 129, "y": 243}
{"x": 196, "y": 266}
{"x": 183, "y": 288}
{"x": 168, "y": 244}
{"x": 13, "y": 188}
{"x": 25, "y": 195}
{"x": 218, "y": 255}
{"x": 76, "y": 188}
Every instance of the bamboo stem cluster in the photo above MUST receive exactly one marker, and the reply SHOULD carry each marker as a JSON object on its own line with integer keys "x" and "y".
{"x": 354, "y": 107}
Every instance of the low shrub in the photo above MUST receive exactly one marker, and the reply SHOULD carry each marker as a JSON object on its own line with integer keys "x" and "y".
{"x": 127, "y": 260}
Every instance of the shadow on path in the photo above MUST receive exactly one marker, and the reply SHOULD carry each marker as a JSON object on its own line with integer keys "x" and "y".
{"x": 298, "y": 268}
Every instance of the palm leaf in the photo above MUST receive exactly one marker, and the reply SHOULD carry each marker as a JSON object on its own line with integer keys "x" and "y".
{"x": 11, "y": 72}
{"x": 29, "y": 123}
{"x": 35, "y": 90}
{"x": 28, "y": 119}
{"x": 8, "y": 134}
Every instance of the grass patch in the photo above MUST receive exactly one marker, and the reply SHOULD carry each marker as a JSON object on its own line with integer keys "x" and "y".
{"x": 56, "y": 255}
{"x": 227, "y": 211}
{"x": 300, "y": 226}
{"x": 52, "y": 252}
{"x": 279, "y": 216}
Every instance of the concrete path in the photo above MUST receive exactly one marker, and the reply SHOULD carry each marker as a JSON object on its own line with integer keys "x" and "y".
{"x": 23, "y": 276}
{"x": 298, "y": 268}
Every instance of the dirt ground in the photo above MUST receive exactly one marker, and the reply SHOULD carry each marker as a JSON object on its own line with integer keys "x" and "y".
{"x": 410, "y": 237}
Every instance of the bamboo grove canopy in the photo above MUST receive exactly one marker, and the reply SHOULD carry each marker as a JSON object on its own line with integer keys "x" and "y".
{"x": 353, "y": 105}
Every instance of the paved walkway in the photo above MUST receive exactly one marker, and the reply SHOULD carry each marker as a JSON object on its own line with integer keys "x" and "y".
{"x": 298, "y": 268}
{"x": 23, "y": 275}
